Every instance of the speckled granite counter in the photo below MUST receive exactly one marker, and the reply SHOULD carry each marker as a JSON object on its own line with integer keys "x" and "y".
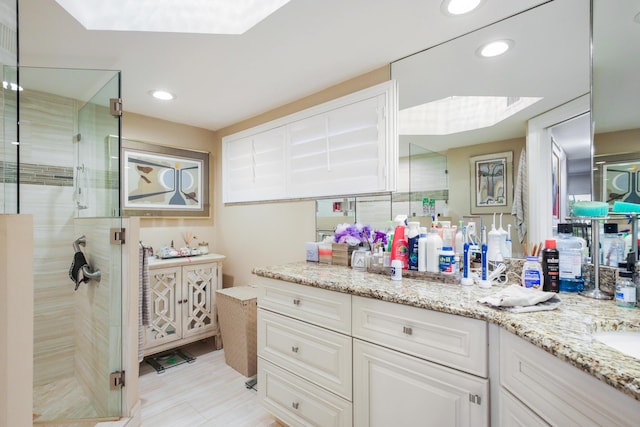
{"x": 564, "y": 332}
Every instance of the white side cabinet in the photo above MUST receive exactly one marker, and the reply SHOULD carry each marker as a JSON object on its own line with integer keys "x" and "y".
{"x": 403, "y": 363}
{"x": 182, "y": 299}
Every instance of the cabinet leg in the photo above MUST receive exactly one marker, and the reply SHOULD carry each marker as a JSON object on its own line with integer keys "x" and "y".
{"x": 217, "y": 341}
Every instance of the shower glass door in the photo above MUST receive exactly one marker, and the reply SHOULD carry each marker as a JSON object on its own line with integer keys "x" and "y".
{"x": 69, "y": 184}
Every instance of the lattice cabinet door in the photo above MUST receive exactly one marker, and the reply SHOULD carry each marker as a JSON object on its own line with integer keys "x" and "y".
{"x": 198, "y": 302}
{"x": 166, "y": 298}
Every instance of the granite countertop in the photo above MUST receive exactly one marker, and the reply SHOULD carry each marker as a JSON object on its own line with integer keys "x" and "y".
{"x": 564, "y": 332}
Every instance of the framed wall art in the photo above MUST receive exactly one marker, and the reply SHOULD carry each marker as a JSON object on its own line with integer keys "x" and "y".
{"x": 491, "y": 183}
{"x": 164, "y": 181}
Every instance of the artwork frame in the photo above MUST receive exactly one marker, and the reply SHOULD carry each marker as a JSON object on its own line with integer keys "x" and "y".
{"x": 163, "y": 181}
{"x": 491, "y": 183}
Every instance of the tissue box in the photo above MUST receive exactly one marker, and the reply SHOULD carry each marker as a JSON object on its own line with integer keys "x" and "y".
{"x": 341, "y": 254}
{"x": 312, "y": 251}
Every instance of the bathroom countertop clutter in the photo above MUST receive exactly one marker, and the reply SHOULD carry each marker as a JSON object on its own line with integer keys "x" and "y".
{"x": 565, "y": 332}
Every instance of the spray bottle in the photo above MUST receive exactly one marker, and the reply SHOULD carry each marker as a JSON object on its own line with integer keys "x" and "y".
{"x": 493, "y": 242}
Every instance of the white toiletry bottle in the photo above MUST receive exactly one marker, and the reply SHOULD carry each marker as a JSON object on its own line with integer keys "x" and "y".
{"x": 422, "y": 249}
{"x": 434, "y": 245}
{"x": 493, "y": 243}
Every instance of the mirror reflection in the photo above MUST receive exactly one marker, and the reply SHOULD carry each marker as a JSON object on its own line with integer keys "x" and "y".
{"x": 474, "y": 110}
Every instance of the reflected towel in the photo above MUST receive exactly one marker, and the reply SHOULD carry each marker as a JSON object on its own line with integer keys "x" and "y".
{"x": 518, "y": 299}
{"x": 75, "y": 271}
{"x": 519, "y": 208}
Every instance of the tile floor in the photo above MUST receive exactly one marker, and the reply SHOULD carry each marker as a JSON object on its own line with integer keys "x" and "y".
{"x": 206, "y": 393}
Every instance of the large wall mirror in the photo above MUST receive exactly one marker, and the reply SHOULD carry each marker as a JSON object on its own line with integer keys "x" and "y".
{"x": 616, "y": 100}
{"x": 475, "y": 110}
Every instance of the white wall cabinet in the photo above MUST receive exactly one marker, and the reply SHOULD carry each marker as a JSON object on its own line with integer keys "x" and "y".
{"x": 345, "y": 146}
{"x": 182, "y": 296}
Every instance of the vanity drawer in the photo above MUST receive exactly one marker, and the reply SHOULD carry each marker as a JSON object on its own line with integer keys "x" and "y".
{"x": 321, "y": 307}
{"x": 298, "y": 402}
{"x": 447, "y": 339}
{"x": 318, "y": 355}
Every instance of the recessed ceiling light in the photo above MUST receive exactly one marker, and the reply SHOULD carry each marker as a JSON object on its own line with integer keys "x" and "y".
{"x": 459, "y": 7}
{"x": 162, "y": 95}
{"x": 495, "y": 48}
{"x": 171, "y": 16}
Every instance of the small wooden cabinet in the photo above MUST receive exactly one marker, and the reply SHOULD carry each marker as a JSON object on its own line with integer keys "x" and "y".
{"x": 182, "y": 299}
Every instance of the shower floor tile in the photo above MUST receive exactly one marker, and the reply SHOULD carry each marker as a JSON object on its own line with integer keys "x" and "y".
{"x": 62, "y": 399}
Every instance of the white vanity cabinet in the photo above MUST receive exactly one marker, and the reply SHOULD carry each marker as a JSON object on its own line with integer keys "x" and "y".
{"x": 304, "y": 354}
{"x": 536, "y": 385}
{"x": 415, "y": 367}
{"x": 182, "y": 298}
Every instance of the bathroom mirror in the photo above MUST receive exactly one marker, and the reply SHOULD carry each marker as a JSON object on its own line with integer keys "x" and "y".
{"x": 616, "y": 100}
{"x": 454, "y": 102}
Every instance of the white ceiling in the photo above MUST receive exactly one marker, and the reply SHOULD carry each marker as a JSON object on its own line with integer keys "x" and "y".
{"x": 306, "y": 46}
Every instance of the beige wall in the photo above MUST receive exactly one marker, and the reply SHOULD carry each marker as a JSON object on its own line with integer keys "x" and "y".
{"x": 621, "y": 142}
{"x": 460, "y": 180}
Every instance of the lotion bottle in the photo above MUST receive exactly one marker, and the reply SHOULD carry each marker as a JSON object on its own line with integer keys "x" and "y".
{"x": 434, "y": 246}
{"x": 422, "y": 249}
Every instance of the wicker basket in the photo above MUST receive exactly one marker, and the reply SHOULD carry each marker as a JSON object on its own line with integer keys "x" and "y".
{"x": 237, "y": 316}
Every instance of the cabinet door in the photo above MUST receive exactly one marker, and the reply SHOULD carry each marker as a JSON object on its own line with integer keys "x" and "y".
{"x": 395, "y": 389}
{"x": 199, "y": 283}
{"x": 254, "y": 167}
{"x": 339, "y": 152}
{"x": 515, "y": 413}
{"x": 166, "y": 320}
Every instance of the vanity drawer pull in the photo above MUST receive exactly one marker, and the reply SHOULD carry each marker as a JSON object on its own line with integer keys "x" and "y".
{"x": 294, "y": 348}
{"x": 295, "y": 405}
{"x": 407, "y": 330}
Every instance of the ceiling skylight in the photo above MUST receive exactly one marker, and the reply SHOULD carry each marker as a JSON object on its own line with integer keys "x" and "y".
{"x": 171, "y": 16}
{"x": 459, "y": 114}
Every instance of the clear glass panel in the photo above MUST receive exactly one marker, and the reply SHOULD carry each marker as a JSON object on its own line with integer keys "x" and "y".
{"x": 9, "y": 150}
{"x": 77, "y": 333}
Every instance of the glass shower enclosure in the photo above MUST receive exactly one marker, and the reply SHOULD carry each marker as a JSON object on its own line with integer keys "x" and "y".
{"x": 60, "y": 168}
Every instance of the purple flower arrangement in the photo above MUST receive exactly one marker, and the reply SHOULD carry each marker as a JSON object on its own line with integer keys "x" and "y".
{"x": 359, "y": 234}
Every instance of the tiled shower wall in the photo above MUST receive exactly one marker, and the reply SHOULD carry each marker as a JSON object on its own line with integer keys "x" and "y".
{"x": 46, "y": 191}
{"x": 71, "y": 329}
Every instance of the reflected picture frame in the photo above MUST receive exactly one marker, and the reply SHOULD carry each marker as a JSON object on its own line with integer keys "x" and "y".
{"x": 491, "y": 183}
{"x": 163, "y": 181}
